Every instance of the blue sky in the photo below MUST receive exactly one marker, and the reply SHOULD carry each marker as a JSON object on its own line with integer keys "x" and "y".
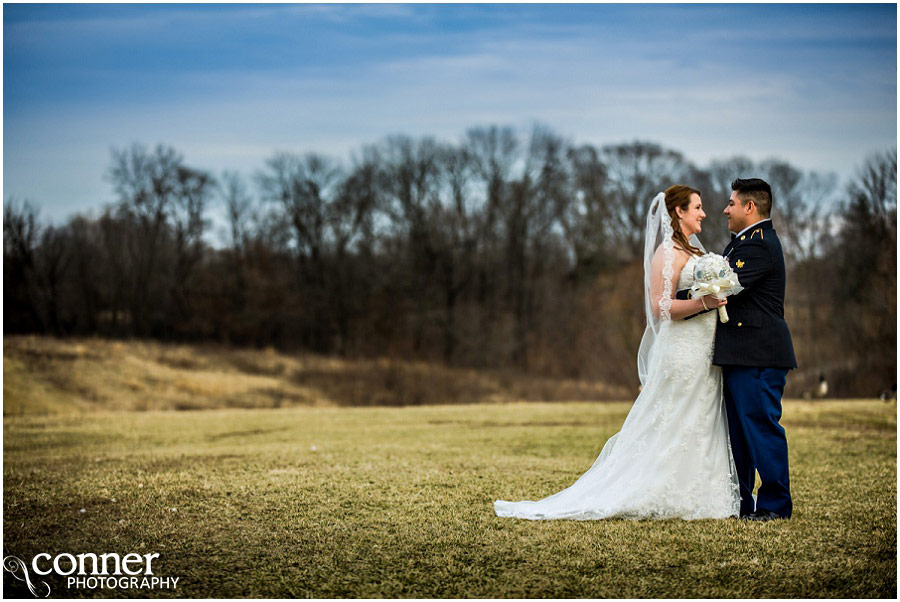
{"x": 227, "y": 85}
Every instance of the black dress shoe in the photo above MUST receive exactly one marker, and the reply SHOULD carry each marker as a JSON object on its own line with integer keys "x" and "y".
{"x": 763, "y": 515}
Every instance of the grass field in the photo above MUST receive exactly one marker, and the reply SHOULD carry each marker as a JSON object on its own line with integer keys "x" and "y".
{"x": 397, "y": 502}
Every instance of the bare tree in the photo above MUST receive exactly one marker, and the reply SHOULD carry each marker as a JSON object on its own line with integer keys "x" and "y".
{"x": 85, "y": 248}
{"x": 864, "y": 277}
{"x": 411, "y": 181}
{"x": 636, "y": 173}
{"x": 306, "y": 188}
{"x": 493, "y": 152}
{"x": 584, "y": 216}
{"x": 114, "y": 235}
{"x": 350, "y": 223}
{"x": 192, "y": 192}
{"x": 238, "y": 204}
{"x": 457, "y": 220}
{"x": 146, "y": 184}
{"x": 21, "y": 236}
{"x": 535, "y": 201}
{"x": 494, "y": 251}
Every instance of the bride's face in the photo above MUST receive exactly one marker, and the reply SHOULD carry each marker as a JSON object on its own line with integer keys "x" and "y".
{"x": 691, "y": 216}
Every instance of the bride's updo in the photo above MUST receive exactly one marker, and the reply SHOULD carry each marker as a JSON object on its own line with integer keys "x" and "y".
{"x": 680, "y": 196}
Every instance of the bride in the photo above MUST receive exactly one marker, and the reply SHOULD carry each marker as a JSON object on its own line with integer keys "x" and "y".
{"x": 672, "y": 457}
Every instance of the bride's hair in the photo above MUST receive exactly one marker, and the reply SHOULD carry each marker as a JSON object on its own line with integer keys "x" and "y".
{"x": 680, "y": 196}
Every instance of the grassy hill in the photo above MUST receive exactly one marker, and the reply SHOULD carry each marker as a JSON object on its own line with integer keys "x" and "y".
{"x": 44, "y": 375}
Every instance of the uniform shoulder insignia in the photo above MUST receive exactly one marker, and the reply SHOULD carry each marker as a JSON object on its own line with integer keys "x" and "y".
{"x": 755, "y": 232}
{"x": 739, "y": 263}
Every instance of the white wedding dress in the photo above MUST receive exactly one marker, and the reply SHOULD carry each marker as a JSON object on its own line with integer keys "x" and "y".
{"x": 672, "y": 457}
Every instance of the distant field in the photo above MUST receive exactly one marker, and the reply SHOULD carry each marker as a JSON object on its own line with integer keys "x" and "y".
{"x": 43, "y": 376}
{"x": 397, "y": 502}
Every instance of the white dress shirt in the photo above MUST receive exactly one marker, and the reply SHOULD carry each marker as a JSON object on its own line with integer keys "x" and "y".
{"x": 768, "y": 219}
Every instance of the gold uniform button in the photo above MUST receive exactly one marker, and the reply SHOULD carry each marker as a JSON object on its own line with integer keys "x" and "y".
{"x": 743, "y": 237}
{"x": 739, "y": 324}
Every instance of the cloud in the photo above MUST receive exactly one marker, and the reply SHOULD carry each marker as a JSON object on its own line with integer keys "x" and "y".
{"x": 228, "y": 86}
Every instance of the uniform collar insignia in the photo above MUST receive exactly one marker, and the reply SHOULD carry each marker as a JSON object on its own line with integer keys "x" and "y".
{"x": 765, "y": 224}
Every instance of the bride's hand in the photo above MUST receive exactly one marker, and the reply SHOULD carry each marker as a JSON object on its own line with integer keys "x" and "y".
{"x": 712, "y": 302}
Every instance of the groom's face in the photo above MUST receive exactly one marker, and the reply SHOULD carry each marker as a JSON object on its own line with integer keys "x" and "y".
{"x": 737, "y": 213}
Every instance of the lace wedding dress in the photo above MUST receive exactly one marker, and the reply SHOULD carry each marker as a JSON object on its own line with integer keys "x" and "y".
{"x": 672, "y": 457}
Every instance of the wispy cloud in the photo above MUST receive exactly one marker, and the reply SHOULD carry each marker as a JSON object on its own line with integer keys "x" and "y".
{"x": 229, "y": 84}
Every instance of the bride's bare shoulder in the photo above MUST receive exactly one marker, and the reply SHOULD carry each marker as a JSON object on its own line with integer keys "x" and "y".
{"x": 679, "y": 259}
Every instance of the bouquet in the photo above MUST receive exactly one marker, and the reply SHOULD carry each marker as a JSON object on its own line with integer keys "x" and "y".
{"x": 713, "y": 276}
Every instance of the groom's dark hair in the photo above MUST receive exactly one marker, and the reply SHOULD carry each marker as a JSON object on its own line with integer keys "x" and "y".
{"x": 756, "y": 190}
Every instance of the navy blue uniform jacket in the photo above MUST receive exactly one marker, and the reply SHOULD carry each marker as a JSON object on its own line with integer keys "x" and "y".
{"x": 756, "y": 333}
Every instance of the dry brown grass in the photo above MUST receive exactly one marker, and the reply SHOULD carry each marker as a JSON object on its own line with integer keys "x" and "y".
{"x": 44, "y": 375}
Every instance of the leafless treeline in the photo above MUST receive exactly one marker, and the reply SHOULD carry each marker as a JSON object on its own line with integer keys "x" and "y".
{"x": 502, "y": 250}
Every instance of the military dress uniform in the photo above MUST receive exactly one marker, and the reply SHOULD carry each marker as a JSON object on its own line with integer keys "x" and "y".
{"x": 755, "y": 351}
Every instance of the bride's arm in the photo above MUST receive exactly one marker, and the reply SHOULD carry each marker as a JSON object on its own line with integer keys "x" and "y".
{"x": 680, "y": 308}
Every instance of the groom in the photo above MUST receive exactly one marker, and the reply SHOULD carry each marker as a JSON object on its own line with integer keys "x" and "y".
{"x": 755, "y": 352}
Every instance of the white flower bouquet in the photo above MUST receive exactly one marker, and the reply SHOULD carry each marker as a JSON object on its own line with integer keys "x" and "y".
{"x": 713, "y": 276}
